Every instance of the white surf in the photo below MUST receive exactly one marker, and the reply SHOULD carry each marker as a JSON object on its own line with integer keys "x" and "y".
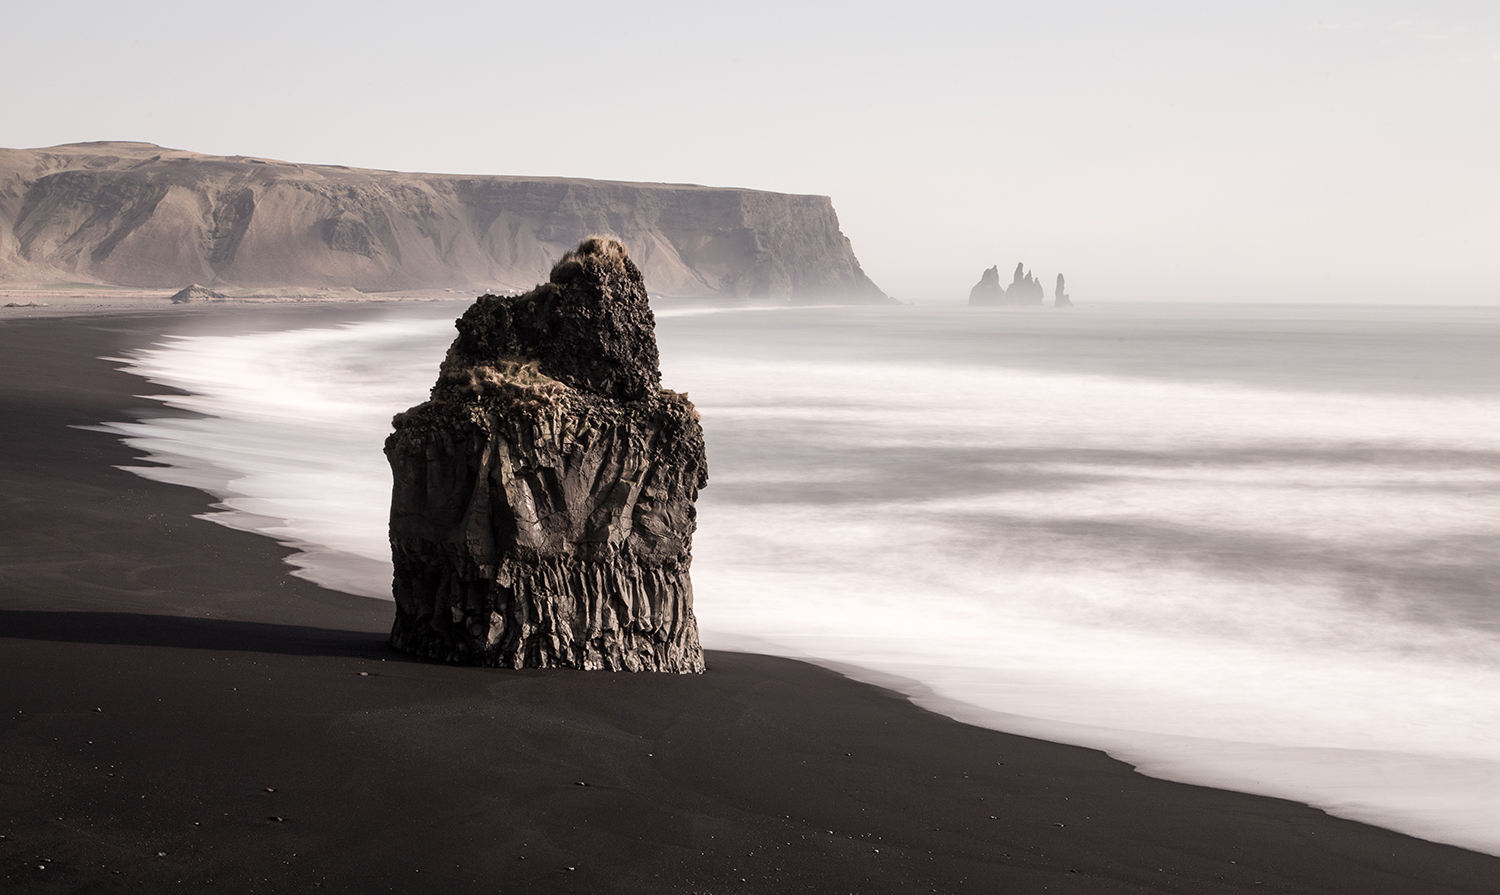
{"x": 1252, "y": 549}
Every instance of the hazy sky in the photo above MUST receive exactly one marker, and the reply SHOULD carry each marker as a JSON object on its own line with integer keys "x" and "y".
{"x": 1171, "y": 150}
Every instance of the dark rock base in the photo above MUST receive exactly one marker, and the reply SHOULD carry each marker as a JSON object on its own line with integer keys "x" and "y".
{"x": 536, "y": 526}
{"x": 592, "y": 616}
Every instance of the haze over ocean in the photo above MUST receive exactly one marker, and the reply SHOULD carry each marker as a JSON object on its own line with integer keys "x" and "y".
{"x": 1246, "y": 546}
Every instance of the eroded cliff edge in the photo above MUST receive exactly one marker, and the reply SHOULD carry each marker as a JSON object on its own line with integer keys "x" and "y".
{"x": 542, "y": 508}
{"x": 137, "y": 214}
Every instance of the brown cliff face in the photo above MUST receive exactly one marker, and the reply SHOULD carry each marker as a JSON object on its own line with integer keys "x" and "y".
{"x": 542, "y": 509}
{"x": 137, "y": 214}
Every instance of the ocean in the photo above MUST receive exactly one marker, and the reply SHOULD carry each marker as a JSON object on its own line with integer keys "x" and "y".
{"x": 1251, "y": 547}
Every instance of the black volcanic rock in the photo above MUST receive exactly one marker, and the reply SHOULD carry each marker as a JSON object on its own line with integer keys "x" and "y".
{"x": 1060, "y": 298}
{"x": 542, "y": 506}
{"x": 590, "y": 327}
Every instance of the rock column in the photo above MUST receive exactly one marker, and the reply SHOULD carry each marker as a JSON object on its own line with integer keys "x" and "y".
{"x": 542, "y": 508}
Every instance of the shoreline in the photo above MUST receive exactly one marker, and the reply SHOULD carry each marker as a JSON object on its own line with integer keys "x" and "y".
{"x": 36, "y": 303}
{"x": 220, "y": 677}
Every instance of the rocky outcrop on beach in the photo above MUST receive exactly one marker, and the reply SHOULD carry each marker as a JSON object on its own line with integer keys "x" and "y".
{"x": 1024, "y": 289}
{"x": 137, "y": 214}
{"x": 196, "y": 293}
{"x": 542, "y": 510}
{"x": 1061, "y": 299}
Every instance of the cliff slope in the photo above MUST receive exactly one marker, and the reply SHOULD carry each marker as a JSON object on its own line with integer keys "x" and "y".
{"x": 136, "y": 214}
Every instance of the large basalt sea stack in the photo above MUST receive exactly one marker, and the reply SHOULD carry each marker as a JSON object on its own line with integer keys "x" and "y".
{"x": 542, "y": 509}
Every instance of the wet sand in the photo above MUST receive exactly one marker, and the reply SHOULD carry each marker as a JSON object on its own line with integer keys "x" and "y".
{"x": 178, "y": 709}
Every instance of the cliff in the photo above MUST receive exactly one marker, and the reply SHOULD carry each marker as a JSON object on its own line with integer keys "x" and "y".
{"x": 136, "y": 214}
{"x": 542, "y": 502}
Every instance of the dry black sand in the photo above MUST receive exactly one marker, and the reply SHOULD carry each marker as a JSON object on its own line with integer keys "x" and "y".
{"x": 178, "y": 713}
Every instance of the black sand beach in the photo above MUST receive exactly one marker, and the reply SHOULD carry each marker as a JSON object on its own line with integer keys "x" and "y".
{"x": 179, "y": 712}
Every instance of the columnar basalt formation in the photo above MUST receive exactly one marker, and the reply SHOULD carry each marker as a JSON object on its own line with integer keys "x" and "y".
{"x": 542, "y": 511}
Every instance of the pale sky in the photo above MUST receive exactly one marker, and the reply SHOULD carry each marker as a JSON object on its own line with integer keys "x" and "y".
{"x": 1295, "y": 151}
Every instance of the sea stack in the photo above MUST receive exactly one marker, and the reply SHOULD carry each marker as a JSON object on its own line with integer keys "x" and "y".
{"x": 988, "y": 290}
{"x": 1024, "y": 288}
{"x": 542, "y": 507}
{"x": 1060, "y": 298}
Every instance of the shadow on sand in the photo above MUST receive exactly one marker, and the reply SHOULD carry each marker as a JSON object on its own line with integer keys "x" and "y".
{"x": 127, "y": 629}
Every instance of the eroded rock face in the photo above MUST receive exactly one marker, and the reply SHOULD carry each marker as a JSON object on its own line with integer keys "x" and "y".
{"x": 1060, "y": 298}
{"x": 542, "y": 510}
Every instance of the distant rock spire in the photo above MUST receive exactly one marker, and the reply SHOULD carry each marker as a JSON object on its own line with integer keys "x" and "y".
{"x": 1024, "y": 288}
{"x": 1060, "y": 298}
{"x": 988, "y": 290}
